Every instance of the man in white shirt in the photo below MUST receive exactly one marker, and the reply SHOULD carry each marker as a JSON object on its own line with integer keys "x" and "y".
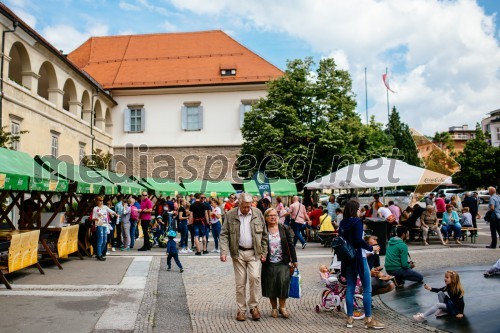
{"x": 244, "y": 237}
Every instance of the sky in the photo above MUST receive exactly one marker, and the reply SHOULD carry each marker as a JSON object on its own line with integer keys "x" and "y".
{"x": 443, "y": 56}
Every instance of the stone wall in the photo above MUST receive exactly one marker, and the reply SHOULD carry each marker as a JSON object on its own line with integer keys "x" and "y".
{"x": 217, "y": 162}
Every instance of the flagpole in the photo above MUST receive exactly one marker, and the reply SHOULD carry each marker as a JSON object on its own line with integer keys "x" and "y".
{"x": 387, "y": 91}
{"x": 366, "y": 98}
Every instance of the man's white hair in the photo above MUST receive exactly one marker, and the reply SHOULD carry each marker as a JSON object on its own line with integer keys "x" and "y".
{"x": 244, "y": 197}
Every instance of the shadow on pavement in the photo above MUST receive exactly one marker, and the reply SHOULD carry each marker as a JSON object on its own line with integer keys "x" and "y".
{"x": 481, "y": 300}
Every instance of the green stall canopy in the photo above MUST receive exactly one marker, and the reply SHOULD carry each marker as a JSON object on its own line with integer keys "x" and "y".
{"x": 19, "y": 167}
{"x": 88, "y": 181}
{"x": 221, "y": 188}
{"x": 164, "y": 187}
{"x": 279, "y": 187}
{"x": 126, "y": 185}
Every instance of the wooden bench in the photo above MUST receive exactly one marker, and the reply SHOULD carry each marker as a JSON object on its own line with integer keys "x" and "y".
{"x": 472, "y": 237}
{"x": 67, "y": 243}
{"x": 23, "y": 252}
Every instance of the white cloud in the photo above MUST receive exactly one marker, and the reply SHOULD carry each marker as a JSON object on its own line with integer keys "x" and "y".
{"x": 128, "y": 6}
{"x": 169, "y": 27}
{"x": 446, "y": 63}
{"x": 158, "y": 9}
{"x": 67, "y": 38}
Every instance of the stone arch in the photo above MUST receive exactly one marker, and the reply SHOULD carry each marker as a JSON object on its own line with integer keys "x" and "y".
{"x": 98, "y": 115}
{"x": 108, "y": 122}
{"x": 70, "y": 99}
{"x": 86, "y": 108}
{"x": 20, "y": 65}
{"x": 47, "y": 83}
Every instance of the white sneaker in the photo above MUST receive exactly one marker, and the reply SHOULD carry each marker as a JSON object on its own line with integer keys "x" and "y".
{"x": 214, "y": 251}
{"x": 113, "y": 249}
{"x": 189, "y": 250}
{"x": 183, "y": 251}
{"x": 108, "y": 253}
{"x": 218, "y": 251}
{"x": 419, "y": 317}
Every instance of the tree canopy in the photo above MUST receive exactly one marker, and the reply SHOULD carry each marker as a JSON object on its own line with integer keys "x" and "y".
{"x": 308, "y": 125}
{"x": 480, "y": 163}
{"x": 402, "y": 139}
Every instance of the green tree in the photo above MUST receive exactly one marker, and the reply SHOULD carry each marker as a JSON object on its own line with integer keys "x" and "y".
{"x": 304, "y": 110}
{"x": 98, "y": 160}
{"x": 7, "y": 138}
{"x": 402, "y": 139}
{"x": 444, "y": 141}
{"x": 480, "y": 163}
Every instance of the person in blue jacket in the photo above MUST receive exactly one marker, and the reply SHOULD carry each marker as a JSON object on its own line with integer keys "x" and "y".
{"x": 351, "y": 229}
{"x": 172, "y": 251}
{"x": 451, "y": 222}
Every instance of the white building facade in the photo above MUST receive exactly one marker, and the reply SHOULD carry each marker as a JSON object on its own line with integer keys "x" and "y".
{"x": 491, "y": 125}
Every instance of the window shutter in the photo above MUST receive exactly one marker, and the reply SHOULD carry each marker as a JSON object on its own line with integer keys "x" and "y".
{"x": 126, "y": 120}
{"x": 143, "y": 120}
{"x": 200, "y": 117}
{"x": 184, "y": 118}
{"x": 242, "y": 114}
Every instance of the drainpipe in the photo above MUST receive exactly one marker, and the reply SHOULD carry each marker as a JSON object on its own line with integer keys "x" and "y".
{"x": 92, "y": 117}
{"x": 15, "y": 24}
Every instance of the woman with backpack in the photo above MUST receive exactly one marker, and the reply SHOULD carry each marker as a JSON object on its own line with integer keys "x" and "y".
{"x": 351, "y": 229}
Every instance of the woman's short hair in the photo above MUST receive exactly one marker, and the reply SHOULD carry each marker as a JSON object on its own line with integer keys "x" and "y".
{"x": 351, "y": 209}
{"x": 268, "y": 211}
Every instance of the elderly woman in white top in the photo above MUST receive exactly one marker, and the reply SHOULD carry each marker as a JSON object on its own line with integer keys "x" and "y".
{"x": 101, "y": 215}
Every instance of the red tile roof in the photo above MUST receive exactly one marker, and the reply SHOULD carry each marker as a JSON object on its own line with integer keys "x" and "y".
{"x": 170, "y": 60}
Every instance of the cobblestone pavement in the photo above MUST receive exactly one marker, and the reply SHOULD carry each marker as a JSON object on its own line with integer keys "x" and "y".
{"x": 211, "y": 293}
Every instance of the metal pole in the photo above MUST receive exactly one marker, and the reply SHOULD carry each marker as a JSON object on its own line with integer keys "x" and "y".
{"x": 92, "y": 117}
{"x": 14, "y": 25}
{"x": 366, "y": 98}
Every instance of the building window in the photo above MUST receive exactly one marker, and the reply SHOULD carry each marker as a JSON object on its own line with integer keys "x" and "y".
{"x": 134, "y": 119}
{"x": 15, "y": 131}
{"x": 245, "y": 106}
{"x": 81, "y": 152}
{"x": 498, "y": 133}
{"x": 54, "y": 147}
{"x": 192, "y": 116}
{"x": 228, "y": 72}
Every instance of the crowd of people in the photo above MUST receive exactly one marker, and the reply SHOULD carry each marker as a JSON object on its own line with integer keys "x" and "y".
{"x": 261, "y": 239}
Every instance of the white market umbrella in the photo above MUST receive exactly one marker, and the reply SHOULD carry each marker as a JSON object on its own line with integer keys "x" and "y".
{"x": 379, "y": 172}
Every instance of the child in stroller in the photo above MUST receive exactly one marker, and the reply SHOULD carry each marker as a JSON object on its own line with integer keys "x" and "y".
{"x": 333, "y": 297}
{"x": 157, "y": 235}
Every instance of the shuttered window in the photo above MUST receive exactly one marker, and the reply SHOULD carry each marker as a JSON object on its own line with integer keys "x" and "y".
{"x": 192, "y": 118}
{"x": 134, "y": 120}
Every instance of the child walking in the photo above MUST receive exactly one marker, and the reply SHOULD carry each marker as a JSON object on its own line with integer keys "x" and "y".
{"x": 172, "y": 251}
{"x": 451, "y": 304}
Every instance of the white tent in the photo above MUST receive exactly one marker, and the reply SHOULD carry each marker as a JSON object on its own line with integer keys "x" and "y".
{"x": 379, "y": 172}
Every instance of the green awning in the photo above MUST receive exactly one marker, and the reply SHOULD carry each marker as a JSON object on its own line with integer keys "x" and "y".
{"x": 10, "y": 179}
{"x": 88, "y": 181}
{"x": 19, "y": 166}
{"x": 279, "y": 187}
{"x": 211, "y": 188}
{"x": 250, "y": 187}
{"x": 283, "y": 187}
{"x": 123, "y": 181}
{"x": 164, "y": 187}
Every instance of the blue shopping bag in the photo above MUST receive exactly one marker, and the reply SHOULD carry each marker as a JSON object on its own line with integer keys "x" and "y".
{"x": 295, "y": 285}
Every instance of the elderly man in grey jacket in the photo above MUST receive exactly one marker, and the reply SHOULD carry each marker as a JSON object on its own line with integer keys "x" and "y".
{"x": 244, "y": 237}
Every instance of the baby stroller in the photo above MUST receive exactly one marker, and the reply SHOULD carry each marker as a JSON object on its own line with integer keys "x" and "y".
{"x": 157, "y": 236}
{"x": 333, "y": 297}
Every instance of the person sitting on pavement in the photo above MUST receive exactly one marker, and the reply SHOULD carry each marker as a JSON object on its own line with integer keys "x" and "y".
{"x": 381, "y": 282}
{"x": 451, "y": 223}
{"x": 494, "y": 270}
{"x": 451, "y": 304}
{"x": 396, "y": 259}
{"x": 429, "y": 221}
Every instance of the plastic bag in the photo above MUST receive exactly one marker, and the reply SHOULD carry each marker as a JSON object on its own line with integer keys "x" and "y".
{"x": 295, "y": 285}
